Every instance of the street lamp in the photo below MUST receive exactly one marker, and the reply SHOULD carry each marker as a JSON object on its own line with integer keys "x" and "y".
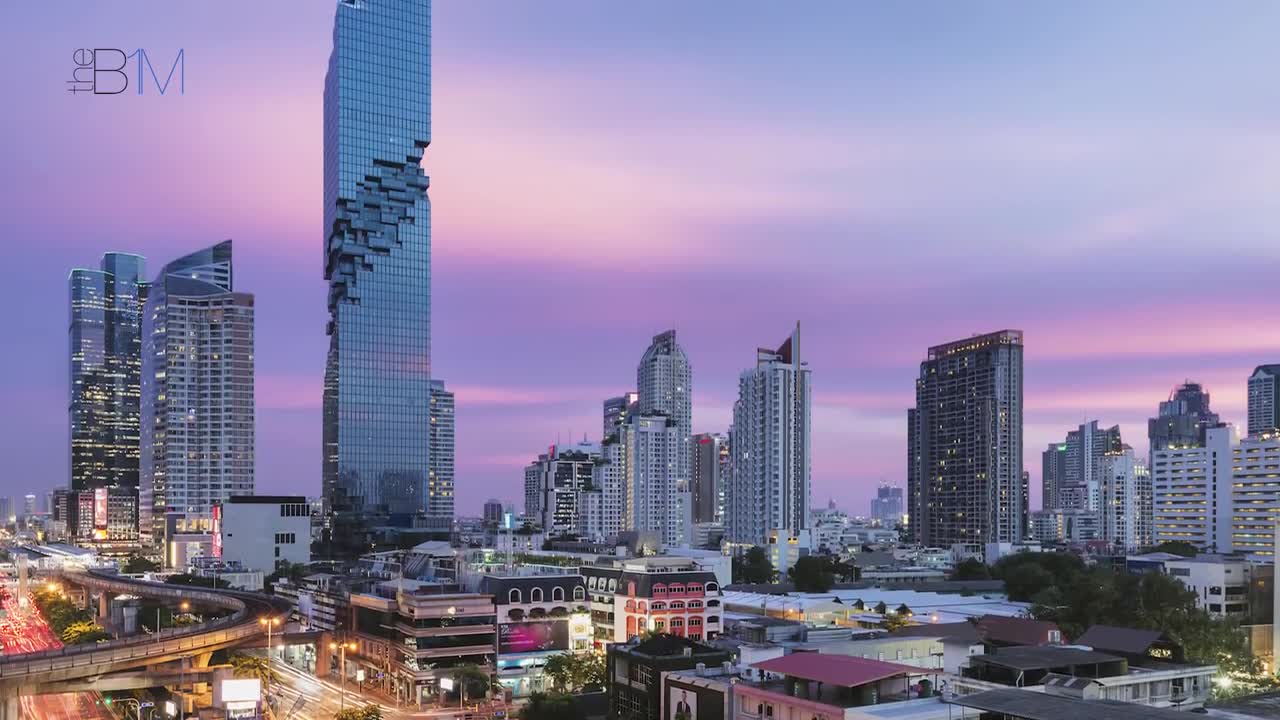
{"x": 268, "y": 623}
{"x": 342, "y": 670}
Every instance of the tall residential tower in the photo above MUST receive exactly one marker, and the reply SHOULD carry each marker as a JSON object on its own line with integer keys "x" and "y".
{"x": 964, "y": 468}
{"x": 657, "y": 442}
{"x": 197, "y": 390}
{"x": 377, "y": 260}
{"x": 769, "y": 490}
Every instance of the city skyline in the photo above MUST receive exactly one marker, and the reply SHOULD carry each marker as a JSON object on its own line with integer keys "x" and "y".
{"x": 506, "y": 287}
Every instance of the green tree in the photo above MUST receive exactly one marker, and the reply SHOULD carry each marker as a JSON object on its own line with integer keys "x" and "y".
{"x": 1177, "y": 547}
{"x": 812, "y": 573}
{"x": 83, "y": 632}
{"x": 472, "y": 680}
{"x": 551, "y": 707}
{"x": 368, "y": 712}
{"x": 971, "y": 569}
{"x": 560, "y": 670}
{"x": 753, "y": 567}
{"x": 138, "y": 564}
{"x": 1021, "y": 583}
{"x": 253, "y": 666}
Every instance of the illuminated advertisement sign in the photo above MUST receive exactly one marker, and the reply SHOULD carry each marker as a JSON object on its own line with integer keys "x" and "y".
{"x": 533, "y": 636}
{"x": 216, "y": 529}
{"x": 100, "y": 508}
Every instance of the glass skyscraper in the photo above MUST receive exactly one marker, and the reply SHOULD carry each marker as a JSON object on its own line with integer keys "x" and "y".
{"x": 104, "y": 336}
{"x": 377, "y": 259}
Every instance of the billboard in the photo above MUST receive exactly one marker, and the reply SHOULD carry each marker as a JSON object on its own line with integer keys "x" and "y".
{"x": 544, "y": 635}
{"x": 100, "y": 508}
{"x": 216, "y": 531}
{"x": 684, "y": 704}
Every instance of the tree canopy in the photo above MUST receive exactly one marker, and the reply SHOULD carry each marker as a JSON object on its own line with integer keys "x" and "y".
{"x": 753, "y": 567}
{"x": 971, "y": 569}
{"x": 1064, "y": 591}
{"x": 571, "y": 672}
{"x": 1177, "y": 547}
{"x": 368, "y": 712}
{"x": 551, "y": 707}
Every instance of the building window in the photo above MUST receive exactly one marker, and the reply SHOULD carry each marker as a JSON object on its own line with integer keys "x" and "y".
{"x": 514, "y": 595}
{"x": 557, "y": 594}
{"x": 659, "y": 590}
{"x": 535, "y": 595}
{"x": 579, "y": 593}
{"x": 712, "y": 587}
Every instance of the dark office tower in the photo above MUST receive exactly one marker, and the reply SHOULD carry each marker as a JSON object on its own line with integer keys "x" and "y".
{"x": 1264, "y": 399}
{"x": 106, "y": 357}
{"x": 965, "y": 446}
{"x": 1182, "y": 419}
{"x": 377, "y": 259}
{"x": 886, "y": 506}
{"x": 1053, "y": 472}
{"x": 616, "y": 410}
{"x": 710, "y": 463}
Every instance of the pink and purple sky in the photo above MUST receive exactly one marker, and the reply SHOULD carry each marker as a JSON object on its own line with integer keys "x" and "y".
{"x": 893, "y": 176}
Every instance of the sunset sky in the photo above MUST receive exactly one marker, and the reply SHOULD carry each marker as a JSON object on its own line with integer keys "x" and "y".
{"x": 892, "y": 175}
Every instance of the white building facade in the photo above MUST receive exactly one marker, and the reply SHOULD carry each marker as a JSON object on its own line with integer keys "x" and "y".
{"x": 1192, "y": 489}
{"x": 769, "y": 488}
{"x": 1125, "y": 489}
{"x": 262, "y": 531}
{"x": 197, "y": 428}
{"x": 440, "y": 460}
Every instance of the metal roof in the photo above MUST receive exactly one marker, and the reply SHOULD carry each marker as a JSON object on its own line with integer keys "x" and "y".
{"x": 1032, "y": 705}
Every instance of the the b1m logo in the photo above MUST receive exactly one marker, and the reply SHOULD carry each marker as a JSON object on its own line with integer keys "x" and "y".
{"x": 106, "y": 71}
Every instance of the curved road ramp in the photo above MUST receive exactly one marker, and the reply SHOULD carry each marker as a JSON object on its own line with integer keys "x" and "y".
{"x": 42, "y": 672}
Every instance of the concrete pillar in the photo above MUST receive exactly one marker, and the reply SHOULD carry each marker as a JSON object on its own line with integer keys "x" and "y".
{"x": 9, "y": 708}
{"x": 323, "y": 654}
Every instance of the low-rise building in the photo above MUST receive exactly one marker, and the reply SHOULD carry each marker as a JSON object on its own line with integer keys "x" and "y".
{"x": 537, "y": 617}
{"x": 829, "y": 686}
{"x": 410, "y": 635}
{"x": 635, "y": 671}
{"x": 262, "y": 531}
{"x": 1220, "y": 582}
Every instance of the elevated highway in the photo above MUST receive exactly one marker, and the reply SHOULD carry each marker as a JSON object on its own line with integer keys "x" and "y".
{"x": 53, "y": 670}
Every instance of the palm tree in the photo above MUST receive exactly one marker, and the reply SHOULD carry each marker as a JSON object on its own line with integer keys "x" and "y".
{"x": 470, "y": 674}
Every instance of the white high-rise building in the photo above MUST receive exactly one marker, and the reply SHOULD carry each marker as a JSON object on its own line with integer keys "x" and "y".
{"x": 769, "y": 487}
{"x": 440, "y": 462}
{"x": 657, "y": 499}
{"x": 665, "y": 382}
{"x": 1191, "y": 488}
{"x": 1125, "y": 488}
{"x": 1255, "y": 493}
{"x": 611, "y": 479}
{"x": 197, "y": 434}
{"x": 658, "y": 444}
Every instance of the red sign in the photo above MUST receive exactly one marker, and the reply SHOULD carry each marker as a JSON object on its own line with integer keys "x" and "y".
{"x": 100, "y": 508}
{"x": 217, "y": 531}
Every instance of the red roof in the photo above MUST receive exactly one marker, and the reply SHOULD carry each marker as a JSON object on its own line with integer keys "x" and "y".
{"x": 1015, "y": 630}
{"x": 842, "y": 670}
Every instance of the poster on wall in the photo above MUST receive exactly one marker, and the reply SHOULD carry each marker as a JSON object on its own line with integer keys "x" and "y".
{"x": 684, "y": 704}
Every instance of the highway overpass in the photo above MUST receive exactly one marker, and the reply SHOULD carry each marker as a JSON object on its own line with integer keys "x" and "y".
{"x": 55, "y": 670}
